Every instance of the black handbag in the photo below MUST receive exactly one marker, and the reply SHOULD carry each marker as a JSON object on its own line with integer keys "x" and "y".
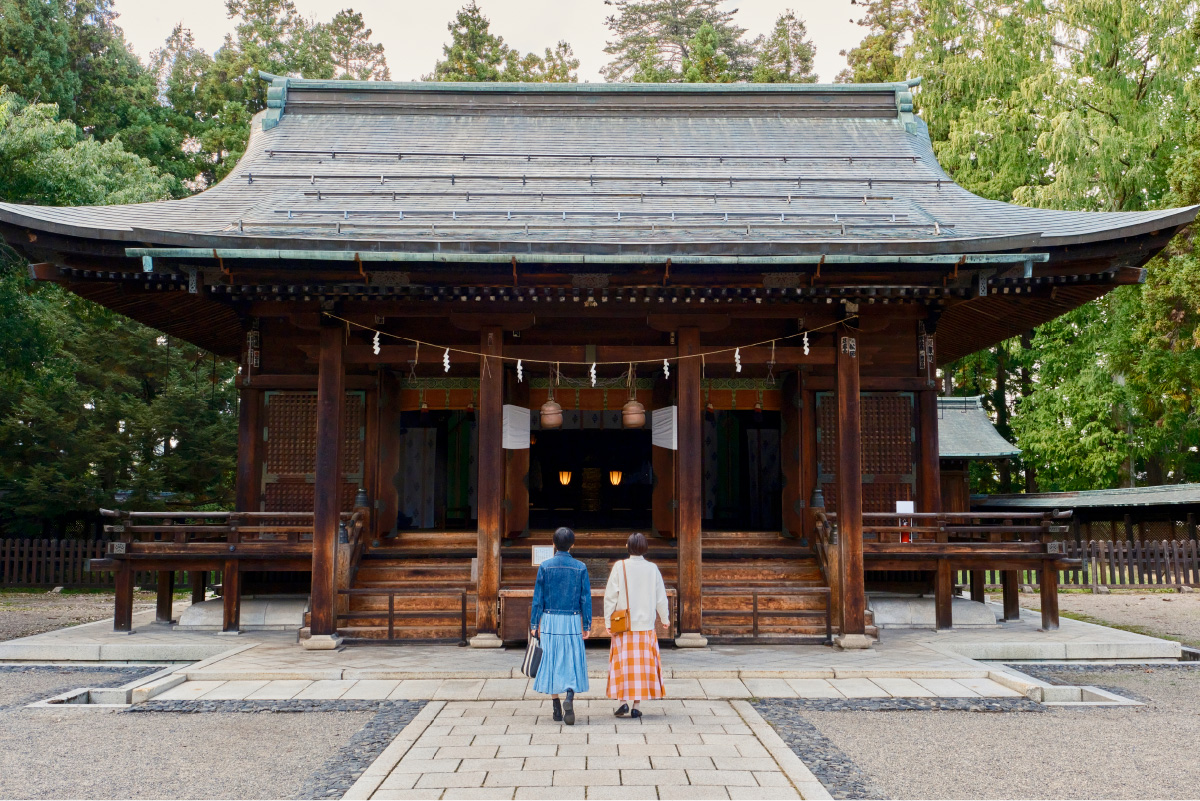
{"x": 533, "y": 657}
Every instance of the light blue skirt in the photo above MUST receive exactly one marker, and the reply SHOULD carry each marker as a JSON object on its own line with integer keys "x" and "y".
{"x": 564, "y": 661}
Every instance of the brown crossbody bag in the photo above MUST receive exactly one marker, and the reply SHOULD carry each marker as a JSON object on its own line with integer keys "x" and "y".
{"x": 620, "y": 618}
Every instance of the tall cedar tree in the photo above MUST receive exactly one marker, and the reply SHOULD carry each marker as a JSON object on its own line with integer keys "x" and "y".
{"x": 476, "y": 54}
{"x": 786, "y": 56}
{"x": 653, "y": 39}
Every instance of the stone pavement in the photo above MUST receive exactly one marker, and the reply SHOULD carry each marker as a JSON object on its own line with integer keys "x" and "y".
{"x": 680, "y": 749}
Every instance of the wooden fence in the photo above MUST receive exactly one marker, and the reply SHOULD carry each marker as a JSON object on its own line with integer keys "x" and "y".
{"x": 59, "y": 563}
{"x": 1120, "y": 563}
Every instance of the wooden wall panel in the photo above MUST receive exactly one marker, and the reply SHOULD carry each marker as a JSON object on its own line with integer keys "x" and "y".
{"x": 290, "y": 449}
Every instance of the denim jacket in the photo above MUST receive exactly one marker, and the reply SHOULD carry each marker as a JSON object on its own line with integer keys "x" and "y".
{"x": 562, "y": 588}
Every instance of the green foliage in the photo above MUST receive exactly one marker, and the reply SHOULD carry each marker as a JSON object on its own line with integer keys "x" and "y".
{"x": 876, "y": 59}
{"x": 654, "y": 40}
{"x": 786, "y": 56}
{"x": 705, "y": 63}
{"x": 354, "y": 54}
{"x": 476, "y": 54}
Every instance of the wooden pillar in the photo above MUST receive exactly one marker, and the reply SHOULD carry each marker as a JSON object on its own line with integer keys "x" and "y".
{"x": 231, "y": 595}
{"x": 849, "y": 492}
{"x": 123, "y": 614}
{"x": 327, "y": 490}
{"x": 491, "y": 485}
{"x": 690, "y": 475}
{"x": 166, "y": 596}
{"x": 199, "y": 581}
{"x": 1010, "y": 586}
{"x": 929, "y": 475}
{"x": 249, "y": 468}
{"x": 793, "y": 500}
{"x": 943, "y": 595}
{"x": 1049, "y": 590}
{"x": 979, "y": 586}
{"x": 808, "y": 455}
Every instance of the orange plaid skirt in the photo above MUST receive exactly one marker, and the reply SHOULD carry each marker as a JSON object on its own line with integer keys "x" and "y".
{"x": 634, "y": 668}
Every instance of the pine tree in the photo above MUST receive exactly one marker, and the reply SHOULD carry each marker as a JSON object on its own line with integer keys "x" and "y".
{"x": 653, "y": 38}
{"x": 474, "y": 52}
{"x": 704, "y": 62}
{"x": 786, "y": 56}
{"x": 354, "y": 54}
{"x": 876, "y": 59}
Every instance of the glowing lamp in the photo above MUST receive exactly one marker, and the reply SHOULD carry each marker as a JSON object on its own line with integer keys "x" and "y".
{"x": 614, "y": 477}
{"x": 564, "y": 477}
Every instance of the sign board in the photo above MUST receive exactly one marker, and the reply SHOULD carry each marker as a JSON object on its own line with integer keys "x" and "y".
{"x": 541, "y": 553}
{"x": 905, "y": 508}
{"x": 516, "y": 428}
{"x": 663, "y": 424}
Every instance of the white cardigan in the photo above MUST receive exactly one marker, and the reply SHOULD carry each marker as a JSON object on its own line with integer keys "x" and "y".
{"x": 645, "y": 597}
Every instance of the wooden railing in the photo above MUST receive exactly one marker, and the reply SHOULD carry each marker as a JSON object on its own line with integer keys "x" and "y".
{"x": 57, "y": 563}
{"x": 392, "y": 614}
{"x": 756, "y": 612}
{"x": 1120, "y": 564}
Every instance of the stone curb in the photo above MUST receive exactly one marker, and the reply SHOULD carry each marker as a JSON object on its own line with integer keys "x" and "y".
{"x": 381, "y": 768}
{"x": 792, "y": 766}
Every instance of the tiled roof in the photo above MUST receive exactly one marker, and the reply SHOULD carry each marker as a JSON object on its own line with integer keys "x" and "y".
{"x": 966, "y": 432}
{"x": 631, "y": 169}
{"x": 1164, "y": 495}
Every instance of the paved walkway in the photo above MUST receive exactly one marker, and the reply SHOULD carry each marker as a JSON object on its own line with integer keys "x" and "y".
{"x": 680, "y": 749}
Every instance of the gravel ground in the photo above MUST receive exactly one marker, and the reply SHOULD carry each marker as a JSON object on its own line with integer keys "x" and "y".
{"x": 24, "y": 684}
{"x": 26, "y": 613}
{"x": 90, "y": 753}
{"x": 1081, "y": 752}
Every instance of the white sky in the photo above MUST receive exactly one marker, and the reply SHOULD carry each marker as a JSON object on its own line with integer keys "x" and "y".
{"x": 413, "y": 32}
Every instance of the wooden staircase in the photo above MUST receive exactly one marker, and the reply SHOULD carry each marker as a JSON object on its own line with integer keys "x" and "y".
{"x": 423, "y": 575}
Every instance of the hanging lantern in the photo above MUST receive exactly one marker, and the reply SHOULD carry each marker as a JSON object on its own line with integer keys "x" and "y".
{"x": 614, "y": 477}
{"x": 552, "y": 415}
{"x": 633, "y": 413}
{"x": 564, "y": 477}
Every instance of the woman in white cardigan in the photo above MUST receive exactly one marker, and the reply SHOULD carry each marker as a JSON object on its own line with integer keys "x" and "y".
{"x": 634, "y": 667}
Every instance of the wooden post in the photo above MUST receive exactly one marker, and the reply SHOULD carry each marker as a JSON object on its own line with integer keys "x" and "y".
{"x": 690, "y": 480}
{"x": 849, "y": 490}
{"x": 943, "y": 595}
{"x": 929, "y": 480}
{"x": 491, "y": 485}
{"x": 1009, "y": 585}
{"x": 978, "y": 586}
{"x": 249, "y": 467}
{"x": 199, "y": 580}
{"x": 327, "y": 490}
{"x": 1049, "y": 588}
{"x": 123, "y": 614}
{"x": 166, "y": 596}
{"x": 231, "y": 595}
{"x": 808, "y": 457}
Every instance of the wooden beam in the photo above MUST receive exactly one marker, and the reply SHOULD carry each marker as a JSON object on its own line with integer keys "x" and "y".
{"x": 302, "y": 381}
{"x": 165, "y": 597}
{"x": 327, "y": 490}
{"x": 231, "y": 595}
{"x": 869, "y": 383}
{"x": 690, "y": 481}
{"x": 250, "y": 437}
{"x": 123, "y": 611}
{"x": 929, "y": 465}
{"x": 359, "y": 351}
{"x": 849, "y": 485}
{"x": 491, "y": 482}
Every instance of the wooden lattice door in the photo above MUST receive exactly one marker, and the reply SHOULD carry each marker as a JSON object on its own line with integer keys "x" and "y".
{"x": 290, "y": 450}
{"x": 888, "y": 448}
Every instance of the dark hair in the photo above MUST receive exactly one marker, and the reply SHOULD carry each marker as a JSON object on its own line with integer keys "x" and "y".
{"x": 564, "y": 538}
{"x": 638, "y": 545}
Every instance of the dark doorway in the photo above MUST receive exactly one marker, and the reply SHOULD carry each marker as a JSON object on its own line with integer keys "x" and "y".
{"x": 590, "y": 479}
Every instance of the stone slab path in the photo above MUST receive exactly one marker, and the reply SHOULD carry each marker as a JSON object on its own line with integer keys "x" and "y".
{"x": 680, "y": 749}
{"x": 510, "y": 690}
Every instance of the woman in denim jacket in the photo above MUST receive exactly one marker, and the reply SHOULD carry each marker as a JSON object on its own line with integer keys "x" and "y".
{"x": 562, "y": 617}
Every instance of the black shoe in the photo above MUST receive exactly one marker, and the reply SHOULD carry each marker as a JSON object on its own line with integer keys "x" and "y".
{"x": 569, "y": 708}
{"x": 622, "y": 710}
{"x": 636, "y": 713}
{"x": 558, "y": 711}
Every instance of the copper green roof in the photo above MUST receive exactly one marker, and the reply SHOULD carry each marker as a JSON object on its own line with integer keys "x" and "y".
{"x": 966, "y": 432}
